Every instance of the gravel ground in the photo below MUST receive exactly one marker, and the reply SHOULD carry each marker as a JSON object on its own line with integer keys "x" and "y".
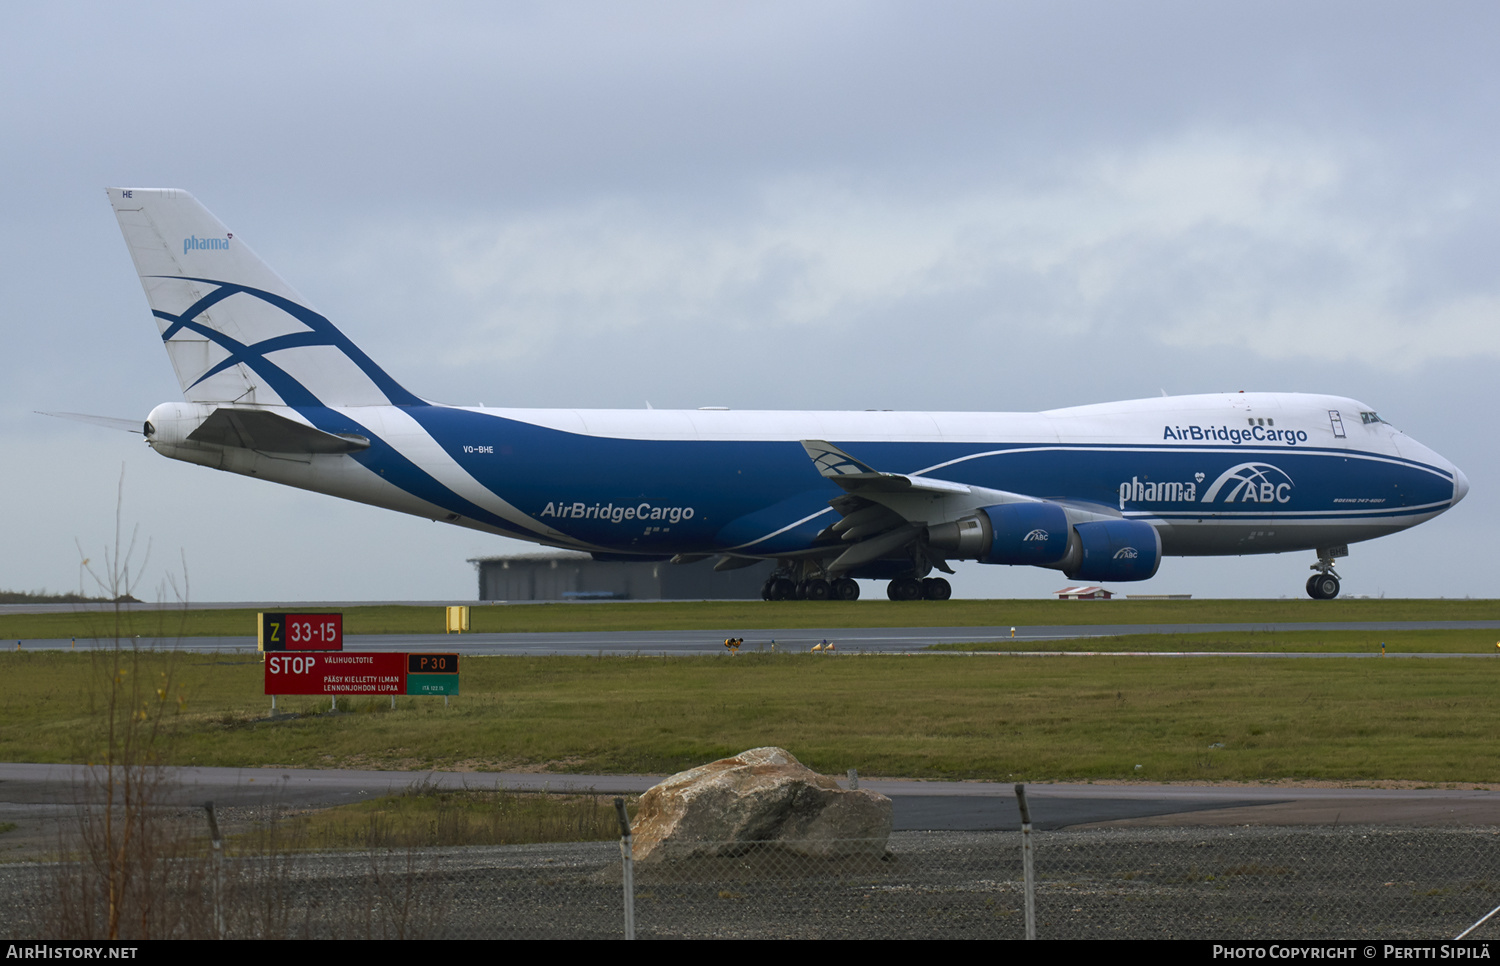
{"x": 1270, "y": 883}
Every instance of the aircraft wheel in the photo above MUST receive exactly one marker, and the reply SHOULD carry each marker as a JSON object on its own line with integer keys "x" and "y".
{"x": 817, "y": 589}
{"x": 1323, "y": 587}
{"x": 784, "y": 589}
{"x": 936, "y": 588}
{"x": 768, "y": 589}
{"x": 846, "y": 588}
{"x": 905, "y": 588}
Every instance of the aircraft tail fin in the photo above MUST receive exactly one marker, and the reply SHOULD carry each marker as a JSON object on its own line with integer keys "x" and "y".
{"x": 235, "y": 332}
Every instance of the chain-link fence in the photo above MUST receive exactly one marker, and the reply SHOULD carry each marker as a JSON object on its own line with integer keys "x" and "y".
{"x": 1246, "y": 883}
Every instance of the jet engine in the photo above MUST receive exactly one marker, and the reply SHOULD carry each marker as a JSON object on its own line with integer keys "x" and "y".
{"x": 1038, "y": 534}
{"x": 1116, "y": 550}
{"x": 1009, "y": 533}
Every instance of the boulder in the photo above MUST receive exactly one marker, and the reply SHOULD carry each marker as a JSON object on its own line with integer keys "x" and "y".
{"x": 763, "y": 795}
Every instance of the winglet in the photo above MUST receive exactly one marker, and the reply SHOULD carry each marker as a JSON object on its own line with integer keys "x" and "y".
{"x": 833, "y": 462}
{"x": 851, "y": 474}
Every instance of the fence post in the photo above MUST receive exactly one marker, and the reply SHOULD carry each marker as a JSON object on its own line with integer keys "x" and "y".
{"x": 627, "y": 863}
{"x": 1027, "y": 878}
{"x": 213, "y": 834}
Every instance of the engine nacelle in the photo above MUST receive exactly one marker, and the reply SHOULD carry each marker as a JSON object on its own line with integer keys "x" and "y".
{"x": 1008, "y": 533}
{"x": 1116, "y": 550}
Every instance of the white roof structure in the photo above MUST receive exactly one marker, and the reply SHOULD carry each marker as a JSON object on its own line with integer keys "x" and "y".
{"x": 1084, "y": 593}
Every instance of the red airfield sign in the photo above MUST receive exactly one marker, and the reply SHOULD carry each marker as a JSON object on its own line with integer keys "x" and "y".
{"x": 345, "y": 672}
{"x": 300, "y": 632}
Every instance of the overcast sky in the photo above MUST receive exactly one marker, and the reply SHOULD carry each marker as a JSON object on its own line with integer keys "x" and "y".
{"x": 987, "y": 206}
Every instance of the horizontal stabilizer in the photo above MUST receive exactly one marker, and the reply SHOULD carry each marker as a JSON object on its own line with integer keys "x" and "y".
{"x": 109, "y": 422}
{"x": 266, "y": 432}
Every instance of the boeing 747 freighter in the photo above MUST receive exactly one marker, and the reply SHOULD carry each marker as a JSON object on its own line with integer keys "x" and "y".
{"x": 273, "y": 389}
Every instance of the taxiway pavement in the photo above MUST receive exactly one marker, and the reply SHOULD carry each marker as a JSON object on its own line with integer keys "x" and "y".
{"x": 41, "y": 799}
{"x": 711, "y": 640}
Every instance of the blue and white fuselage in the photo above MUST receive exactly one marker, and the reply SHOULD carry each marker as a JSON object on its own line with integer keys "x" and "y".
{"x": 272, "y": 389}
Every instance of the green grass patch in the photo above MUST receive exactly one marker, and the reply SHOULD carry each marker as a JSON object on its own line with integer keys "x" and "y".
{"x": 426, "y": 817}
{"x": 1350, "y": 642}
{"x": 130, "y": 622}
{"x": 932, "y": 716}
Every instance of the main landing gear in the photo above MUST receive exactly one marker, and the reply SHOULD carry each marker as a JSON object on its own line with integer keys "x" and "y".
{"x": 910, "y": 588}
{"x": 845, "y": 588}
{"x": 1324, "y": 585}
{"x": 785, "y": 588}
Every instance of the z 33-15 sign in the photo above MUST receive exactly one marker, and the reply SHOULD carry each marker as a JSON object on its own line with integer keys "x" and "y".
{"x": 300, "y": 632}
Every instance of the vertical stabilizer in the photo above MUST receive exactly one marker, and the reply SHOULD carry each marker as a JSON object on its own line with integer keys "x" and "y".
{"x": 237, "y": 333}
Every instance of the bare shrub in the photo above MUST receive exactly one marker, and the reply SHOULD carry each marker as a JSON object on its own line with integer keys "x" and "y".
{"x": 137, "y": 866}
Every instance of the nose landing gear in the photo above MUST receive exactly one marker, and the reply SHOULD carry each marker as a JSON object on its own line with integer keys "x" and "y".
{"x": 1324, "y": 585}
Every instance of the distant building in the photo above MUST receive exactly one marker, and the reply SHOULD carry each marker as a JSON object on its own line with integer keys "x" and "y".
{"x": 577, "y": 576}
{"x": 1084, "y": 593}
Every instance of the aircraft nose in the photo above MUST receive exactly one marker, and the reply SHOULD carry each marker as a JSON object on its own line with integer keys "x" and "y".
{"x": 1460, "y": 485}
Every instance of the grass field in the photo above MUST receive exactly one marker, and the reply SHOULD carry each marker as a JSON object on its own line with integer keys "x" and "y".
{"x": 433, "y": 818}
{"x": 1349, "y": 642}
{"x": 931, "y": 716}
{"x": 749, "y": 615}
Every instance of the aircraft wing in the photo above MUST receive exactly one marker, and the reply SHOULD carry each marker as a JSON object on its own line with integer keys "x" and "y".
{"x": 886, "y": 515}
{"x": 267, "y": 432}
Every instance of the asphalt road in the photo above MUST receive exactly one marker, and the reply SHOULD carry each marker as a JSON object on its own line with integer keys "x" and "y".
{"x": 38, "y": 797}
{"x": 711, "y": 641}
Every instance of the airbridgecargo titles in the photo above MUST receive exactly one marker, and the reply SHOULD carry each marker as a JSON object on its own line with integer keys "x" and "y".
{"x": 1238, "y": 437}
{"x": 617, "y": 514}
{"x": 273, "y": 389}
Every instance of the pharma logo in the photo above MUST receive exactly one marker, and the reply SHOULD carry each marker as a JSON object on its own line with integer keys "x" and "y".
{"x": 1251, "y": 483}
{"x": 1035, "y": 536}
{"x": 1134, "y": 490}
{"x": 195, "y": 244}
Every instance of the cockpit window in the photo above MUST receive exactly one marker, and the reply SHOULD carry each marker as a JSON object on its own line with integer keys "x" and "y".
{"x": 1371, "y": 418}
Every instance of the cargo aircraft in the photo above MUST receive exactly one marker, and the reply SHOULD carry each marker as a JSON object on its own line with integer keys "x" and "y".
{"x": 272, "y": 389}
